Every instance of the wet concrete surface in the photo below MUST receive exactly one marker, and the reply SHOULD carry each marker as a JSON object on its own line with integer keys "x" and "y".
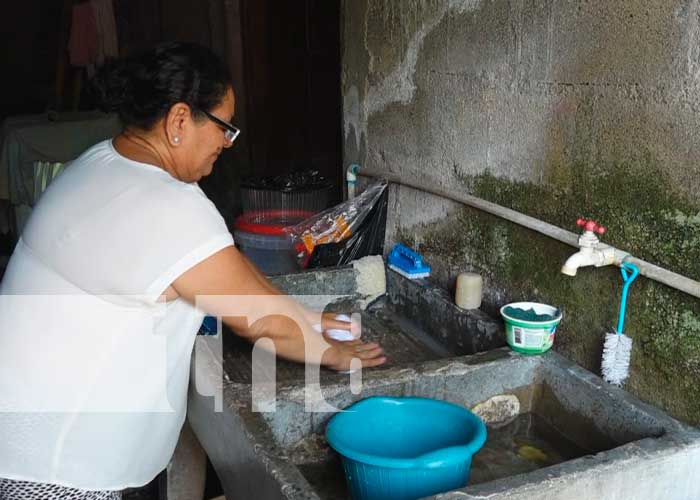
{"x": 403, "y": 322}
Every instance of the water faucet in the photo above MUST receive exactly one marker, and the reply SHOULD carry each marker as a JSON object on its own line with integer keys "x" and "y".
{"x": 592, "y": 252}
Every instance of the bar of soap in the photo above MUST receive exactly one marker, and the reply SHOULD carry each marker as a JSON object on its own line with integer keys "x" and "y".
{"x": 338, "y": 334}
{"x": 468, "y": 291}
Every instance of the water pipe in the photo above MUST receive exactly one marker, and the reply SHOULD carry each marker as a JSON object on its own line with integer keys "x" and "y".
{"x": 647, "y": 269}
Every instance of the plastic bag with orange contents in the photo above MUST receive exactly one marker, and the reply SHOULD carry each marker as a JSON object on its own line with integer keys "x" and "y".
{"x": 345, "y": 232}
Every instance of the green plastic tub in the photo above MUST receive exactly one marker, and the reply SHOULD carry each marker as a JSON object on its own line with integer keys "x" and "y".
{"x": 531, "y": 337}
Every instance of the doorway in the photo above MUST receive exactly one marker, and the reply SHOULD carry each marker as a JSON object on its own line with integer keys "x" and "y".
{"x": 292, "y": 72}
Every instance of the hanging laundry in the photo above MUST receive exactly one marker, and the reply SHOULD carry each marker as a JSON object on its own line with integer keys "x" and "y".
{"x": 83, "y": 42}
{"x": 107, "y": 46}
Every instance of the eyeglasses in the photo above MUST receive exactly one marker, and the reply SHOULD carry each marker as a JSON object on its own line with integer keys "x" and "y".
{"x": 230, "y": 132}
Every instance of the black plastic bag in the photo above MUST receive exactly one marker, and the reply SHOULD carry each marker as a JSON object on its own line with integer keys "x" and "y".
{"x": 344, "y": 233}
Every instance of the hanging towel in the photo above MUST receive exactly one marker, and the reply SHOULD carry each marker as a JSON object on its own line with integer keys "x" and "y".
{"x": 107, "y": 46}
{"x": 83, "y": 36}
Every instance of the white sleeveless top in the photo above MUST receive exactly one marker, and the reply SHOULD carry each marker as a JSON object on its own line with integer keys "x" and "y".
{"x": 94, "y": 367}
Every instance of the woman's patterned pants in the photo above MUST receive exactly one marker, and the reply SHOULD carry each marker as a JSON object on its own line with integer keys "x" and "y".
{"x": 25, "y": 490}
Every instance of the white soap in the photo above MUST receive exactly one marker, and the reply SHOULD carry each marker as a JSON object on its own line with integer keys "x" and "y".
{"x": 338, "y": 334}
{"x": 468, "y": 291}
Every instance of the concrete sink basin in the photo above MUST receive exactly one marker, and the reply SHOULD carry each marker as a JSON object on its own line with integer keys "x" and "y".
{"x": 556, "y": 431}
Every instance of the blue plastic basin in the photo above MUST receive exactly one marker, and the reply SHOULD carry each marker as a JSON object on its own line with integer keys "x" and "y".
{"x": 405, "y": 448}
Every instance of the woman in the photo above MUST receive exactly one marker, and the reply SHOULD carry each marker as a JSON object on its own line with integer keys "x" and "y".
{"x": 97, "y": 316}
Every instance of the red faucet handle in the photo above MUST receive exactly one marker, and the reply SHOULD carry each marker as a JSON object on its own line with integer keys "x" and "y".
{"x": 590, "y": 225}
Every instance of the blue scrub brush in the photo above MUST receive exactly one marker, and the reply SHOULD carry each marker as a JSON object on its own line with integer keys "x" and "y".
{"x": 617, "y": 350}
{"x": 407, "y": 262}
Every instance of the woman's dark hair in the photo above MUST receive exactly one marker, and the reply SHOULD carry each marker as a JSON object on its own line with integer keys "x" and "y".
{"x": 142, "y": 88}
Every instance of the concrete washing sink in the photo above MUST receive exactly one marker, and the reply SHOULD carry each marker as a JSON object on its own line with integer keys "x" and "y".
{"x": 557, "y": 431}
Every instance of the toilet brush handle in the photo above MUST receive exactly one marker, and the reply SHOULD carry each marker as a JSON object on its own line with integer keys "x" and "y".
{"x": 628, "y": 279}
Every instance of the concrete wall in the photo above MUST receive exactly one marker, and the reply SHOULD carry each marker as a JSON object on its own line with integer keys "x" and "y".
{"x": 559, "y": 109}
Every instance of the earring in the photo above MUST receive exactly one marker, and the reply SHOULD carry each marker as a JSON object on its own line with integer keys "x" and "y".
{"x": 176, "y": 140}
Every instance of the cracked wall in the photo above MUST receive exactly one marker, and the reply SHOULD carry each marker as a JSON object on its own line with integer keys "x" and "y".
{"x": 558, "y": 109}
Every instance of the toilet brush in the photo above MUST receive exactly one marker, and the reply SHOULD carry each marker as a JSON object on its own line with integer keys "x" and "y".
{"x": 617, "y": 350}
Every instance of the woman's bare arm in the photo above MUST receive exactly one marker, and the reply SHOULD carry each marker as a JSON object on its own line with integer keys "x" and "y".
{"x": 283, "y": 320}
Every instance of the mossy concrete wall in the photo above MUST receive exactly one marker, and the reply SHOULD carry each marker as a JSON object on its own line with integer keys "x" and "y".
{"x": 558, "y": 109}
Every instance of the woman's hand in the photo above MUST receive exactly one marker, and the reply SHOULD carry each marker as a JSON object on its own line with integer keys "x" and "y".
{"x": 339, "y": 357}
{"x": 341, "y": 354}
